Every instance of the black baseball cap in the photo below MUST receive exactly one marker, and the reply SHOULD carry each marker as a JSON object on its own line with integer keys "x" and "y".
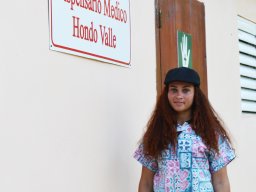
{"x": 183, "y": 74}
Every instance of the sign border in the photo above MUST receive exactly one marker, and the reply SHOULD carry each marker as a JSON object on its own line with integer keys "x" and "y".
{"x": 122, "y": 63}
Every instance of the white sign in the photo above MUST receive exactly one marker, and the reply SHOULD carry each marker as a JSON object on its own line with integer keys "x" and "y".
{"x": 97, "y": 29}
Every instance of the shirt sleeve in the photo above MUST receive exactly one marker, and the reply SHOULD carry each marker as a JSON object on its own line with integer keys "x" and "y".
{"x": 147, "y": 161}
{"x": 224, "y": 157}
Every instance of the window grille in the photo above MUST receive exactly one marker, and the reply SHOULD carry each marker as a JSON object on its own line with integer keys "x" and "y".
{"x": 247, "y": 55}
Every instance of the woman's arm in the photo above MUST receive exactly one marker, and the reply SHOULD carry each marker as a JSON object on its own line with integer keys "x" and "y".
{"x": 220, "y": 181}
{"x": 146, "y": 180}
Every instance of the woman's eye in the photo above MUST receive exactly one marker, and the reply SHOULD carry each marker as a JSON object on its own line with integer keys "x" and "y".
{"x": 185, "y": 90}
{"x": 173, "y": 90}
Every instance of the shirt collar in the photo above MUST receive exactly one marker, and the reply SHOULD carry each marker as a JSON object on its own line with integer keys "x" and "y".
{"x": 184, "y": 127}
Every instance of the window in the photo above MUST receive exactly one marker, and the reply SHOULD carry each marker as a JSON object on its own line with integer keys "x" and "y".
{"x": 247, "y": 54}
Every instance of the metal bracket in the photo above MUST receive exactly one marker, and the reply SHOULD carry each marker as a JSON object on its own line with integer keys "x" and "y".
{"x": 158, "y": 18}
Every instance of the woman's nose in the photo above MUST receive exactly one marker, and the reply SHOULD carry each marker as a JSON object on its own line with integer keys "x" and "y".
{"x": 179, "y": 94}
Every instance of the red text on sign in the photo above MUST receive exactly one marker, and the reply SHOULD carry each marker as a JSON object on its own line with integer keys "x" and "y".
{"x": 92, "y": 5}
{"x": 107, "y": 37}
{"x": 114, "y": 12}
{"x": 83, "y": 31}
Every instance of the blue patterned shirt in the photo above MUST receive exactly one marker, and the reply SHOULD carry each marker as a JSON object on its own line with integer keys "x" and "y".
{"x": 189, "y": 168}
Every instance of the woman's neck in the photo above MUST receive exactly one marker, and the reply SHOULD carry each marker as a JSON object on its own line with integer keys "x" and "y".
{"x": 182, "y": 117}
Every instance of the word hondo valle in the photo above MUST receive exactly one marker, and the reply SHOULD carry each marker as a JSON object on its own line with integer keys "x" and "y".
{"x": 90, "y": 32}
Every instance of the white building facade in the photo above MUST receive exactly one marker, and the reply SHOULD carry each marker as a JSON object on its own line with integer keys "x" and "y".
{"x": 71, "y": 124}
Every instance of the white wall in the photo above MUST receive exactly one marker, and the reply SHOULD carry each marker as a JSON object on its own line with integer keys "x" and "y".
{"x": 247, "y": 127}
{"x": 246, "y": 8}
{"x": 224, "y": 84}
{"x": 70, "y": 124}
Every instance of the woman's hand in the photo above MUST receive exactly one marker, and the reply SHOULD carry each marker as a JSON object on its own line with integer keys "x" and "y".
{"x": 220, "y": 181}
{"x": 146, "y": 180}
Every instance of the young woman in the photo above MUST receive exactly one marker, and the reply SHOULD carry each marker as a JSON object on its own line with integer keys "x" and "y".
{"x": 185, "y": 147}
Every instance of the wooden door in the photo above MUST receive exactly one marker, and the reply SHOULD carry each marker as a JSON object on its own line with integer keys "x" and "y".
{"x": 187, "y": 16}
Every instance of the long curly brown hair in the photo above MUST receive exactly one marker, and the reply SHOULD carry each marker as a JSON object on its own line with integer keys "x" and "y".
{"x": 161, "y": 127}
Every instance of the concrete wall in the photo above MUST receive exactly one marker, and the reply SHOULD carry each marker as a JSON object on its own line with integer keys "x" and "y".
{"x": 245, "y": 166}
{"x": 70, "y": 124}
{"x": 224, "y": 84}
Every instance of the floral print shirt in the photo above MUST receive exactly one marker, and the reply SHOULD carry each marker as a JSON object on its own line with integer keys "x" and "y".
{"x": 189, "y": 168}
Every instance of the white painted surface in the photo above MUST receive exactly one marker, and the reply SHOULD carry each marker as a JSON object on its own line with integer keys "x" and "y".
{"x": 224, "y": 84}
{"x": 69, "y": 124}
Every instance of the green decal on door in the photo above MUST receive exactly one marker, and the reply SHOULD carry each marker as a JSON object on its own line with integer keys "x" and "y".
{"x": 184, "y": 41}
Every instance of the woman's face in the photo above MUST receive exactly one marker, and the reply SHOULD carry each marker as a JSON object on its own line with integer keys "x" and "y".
{"x": 181, "y": 96}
